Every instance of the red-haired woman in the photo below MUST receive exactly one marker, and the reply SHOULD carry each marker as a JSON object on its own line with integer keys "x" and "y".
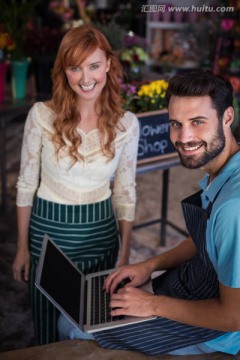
{"x": 73, "y": 146}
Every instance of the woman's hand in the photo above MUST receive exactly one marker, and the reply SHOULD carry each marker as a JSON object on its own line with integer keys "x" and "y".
{"x": 21, "y": 265}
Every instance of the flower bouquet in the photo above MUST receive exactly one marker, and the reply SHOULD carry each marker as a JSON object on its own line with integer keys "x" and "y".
{"x": 15, "y": 15}
{"x": 6, "y": 45}
{"x": 134, "y": 56}
{"x": 132, "y": 60}
{"x": 146, "y": 96}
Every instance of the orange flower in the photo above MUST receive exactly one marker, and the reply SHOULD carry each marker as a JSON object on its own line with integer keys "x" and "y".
{"x": 6, "y": 45}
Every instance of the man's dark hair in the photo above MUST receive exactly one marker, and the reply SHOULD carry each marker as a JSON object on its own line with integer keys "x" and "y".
{"x": 203, "y": 83}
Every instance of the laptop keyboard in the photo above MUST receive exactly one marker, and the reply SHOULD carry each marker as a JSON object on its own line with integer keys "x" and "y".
{"x": 100, "y": 303}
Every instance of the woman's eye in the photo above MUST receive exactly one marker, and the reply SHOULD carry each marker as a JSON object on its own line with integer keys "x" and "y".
{"x": 75, "y": 68}
{"x": 94, "y": 67}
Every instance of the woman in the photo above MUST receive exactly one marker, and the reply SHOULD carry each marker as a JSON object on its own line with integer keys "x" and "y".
{"x": 73, "y": 145}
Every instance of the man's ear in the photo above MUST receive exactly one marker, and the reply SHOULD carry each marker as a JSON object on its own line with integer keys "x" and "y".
{"x": 228, "y": 116}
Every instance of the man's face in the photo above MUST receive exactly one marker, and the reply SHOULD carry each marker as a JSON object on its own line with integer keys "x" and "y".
{"x": 195, "y": 130}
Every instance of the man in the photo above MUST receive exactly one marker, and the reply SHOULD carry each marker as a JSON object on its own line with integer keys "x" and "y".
{"x": 196, "y": 301}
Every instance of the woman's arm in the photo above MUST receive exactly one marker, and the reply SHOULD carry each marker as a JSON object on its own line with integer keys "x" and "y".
{"x": 124, "y": 192}
{"x": 27, "y": 185}
{"x": 125, "y": 230}
{"x": 22, "y": 260}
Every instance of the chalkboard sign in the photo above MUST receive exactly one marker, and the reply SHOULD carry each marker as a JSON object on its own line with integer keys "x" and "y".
{"x": 154, "y": 142}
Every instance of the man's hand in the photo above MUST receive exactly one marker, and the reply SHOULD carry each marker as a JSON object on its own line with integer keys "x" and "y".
{"x": 137, "y": 274}
{"x": 133, "y": 302}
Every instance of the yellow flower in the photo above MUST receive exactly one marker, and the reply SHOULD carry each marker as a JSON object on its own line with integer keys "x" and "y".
{"x": 150, "y": 96}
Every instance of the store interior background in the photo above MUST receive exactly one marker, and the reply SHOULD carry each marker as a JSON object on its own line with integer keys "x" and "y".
{"x": 175, "y": 42}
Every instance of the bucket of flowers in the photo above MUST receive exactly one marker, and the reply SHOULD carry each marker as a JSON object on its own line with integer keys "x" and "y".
{"x": 16, "y": 15}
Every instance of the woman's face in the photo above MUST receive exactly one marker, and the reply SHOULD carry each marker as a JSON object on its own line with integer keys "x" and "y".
{"x": 89, "y": 78}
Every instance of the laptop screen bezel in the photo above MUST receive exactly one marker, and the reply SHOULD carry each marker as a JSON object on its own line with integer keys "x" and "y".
{"x": 38, "y": 283}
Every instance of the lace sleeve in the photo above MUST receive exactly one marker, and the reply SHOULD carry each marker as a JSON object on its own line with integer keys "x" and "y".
{"x": 28, "y": 179}
{"x": 124, "y": 192}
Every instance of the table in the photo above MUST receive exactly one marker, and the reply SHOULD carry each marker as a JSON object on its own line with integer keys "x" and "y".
{"x": 89, "y": 350}
{"x": 164, "y": 164}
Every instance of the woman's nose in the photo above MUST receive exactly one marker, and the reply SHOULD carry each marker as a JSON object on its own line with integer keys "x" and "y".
{"x": 85, "y": 76}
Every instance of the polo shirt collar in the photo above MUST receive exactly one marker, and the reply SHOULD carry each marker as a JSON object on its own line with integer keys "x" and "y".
{"x": 213, "y": 188}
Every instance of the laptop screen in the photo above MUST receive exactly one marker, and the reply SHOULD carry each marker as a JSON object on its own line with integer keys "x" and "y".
{"x": 55, "y": 275}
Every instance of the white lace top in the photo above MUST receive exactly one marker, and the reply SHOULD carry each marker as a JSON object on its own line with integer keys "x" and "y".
{"x": 87, "y": 181}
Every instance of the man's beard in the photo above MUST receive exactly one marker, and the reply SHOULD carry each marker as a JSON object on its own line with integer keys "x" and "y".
{"x": 213, "y": 149}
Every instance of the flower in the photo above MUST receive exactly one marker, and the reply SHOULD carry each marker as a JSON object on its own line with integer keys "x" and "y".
{"x": 143, "y": 97}
{"x": 6, "y": 45}
{"x": 152, "y": 96}
{"x": 129, "y": 93}
{"x": 134, "y": 56}
{"x": 63, "y": 12}
{"x": 15, "y": 15}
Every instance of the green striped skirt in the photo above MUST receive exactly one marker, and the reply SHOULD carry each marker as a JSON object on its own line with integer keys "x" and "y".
{"x": 87, "y": 234}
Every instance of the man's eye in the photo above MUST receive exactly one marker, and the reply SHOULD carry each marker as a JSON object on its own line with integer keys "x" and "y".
{"x": 75, "y": 68}
{"x": 174, "y": 124}
{"x": 197, "y": 122}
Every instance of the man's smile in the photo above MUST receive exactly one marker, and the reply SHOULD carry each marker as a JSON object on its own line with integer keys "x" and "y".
{"x": 188, "y": 147}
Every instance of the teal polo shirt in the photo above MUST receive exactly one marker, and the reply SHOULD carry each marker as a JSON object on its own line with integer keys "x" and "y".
{"x": 223, "y": 236}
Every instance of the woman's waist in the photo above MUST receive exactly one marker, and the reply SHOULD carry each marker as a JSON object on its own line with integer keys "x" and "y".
{"x": 56, "y": 191}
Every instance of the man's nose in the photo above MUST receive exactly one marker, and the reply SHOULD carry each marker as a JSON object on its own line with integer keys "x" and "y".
{"x": 185, "y": 134}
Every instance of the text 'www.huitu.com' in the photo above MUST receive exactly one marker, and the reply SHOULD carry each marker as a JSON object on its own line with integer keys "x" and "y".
{"x": 193, "y": 8}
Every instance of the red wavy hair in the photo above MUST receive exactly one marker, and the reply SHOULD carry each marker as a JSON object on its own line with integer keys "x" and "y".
{"x": 76, "y": 45}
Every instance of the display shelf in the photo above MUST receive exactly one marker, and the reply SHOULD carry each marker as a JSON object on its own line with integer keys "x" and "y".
{"x": 161, "y": 27}
{"x": 170, "y": 25}
{"x": 157, "y": 28}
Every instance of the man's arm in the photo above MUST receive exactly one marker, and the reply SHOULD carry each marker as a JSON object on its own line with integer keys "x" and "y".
{"x": 141, "y": 272}
{"x": 220, "y": 314}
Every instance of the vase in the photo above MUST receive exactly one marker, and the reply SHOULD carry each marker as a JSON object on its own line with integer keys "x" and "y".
{"x": 3, "y": 71}
{"x": 135, "y": 73}
{"x": 19, "y": 78}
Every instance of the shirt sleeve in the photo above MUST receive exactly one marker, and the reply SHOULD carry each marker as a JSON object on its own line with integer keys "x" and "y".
{"x": 124, "y": 189}
{"x": 226, "y": 233}
{"x": 28, "y": 179}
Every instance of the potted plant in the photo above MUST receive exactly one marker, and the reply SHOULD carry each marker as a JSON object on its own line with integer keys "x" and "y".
{"x": 15, "y": 15}
{"x": 148, "y": 101}
{"x": 141, "y": 97}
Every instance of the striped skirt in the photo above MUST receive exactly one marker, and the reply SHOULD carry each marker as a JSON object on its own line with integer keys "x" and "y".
{"x": 87, "y": 234}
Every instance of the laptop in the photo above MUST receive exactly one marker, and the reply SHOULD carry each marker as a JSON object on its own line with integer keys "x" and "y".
{"x": 80, "y": 298}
